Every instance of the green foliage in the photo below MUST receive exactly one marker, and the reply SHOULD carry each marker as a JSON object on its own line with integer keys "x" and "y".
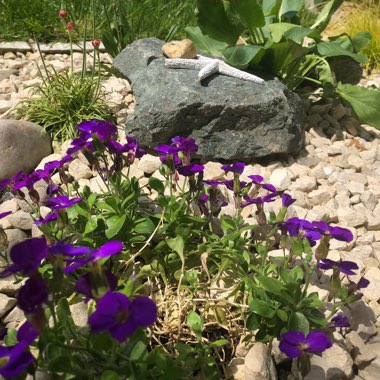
{"x": 274, "y": 42}
{"x": 63, "y": 100}
{"x": 117, "y": 22}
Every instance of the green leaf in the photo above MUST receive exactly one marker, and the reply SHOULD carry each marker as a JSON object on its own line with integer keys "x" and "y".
{"x": 270, "y": 284}
{"x": 250, "y": 12}
{"x": 290, "y": 8}
{"x": 11, "y": 338}
{"x": 299, "y": 322}
{"x": 205, "y": 43}
{"x": 213, "y": 21}
{"x": 156, "y": 184}
{"x": 60, "y": 364}
{"x": 195, "y": 323}
{"x": 177, "y": 245}
{"x": 253, "y": 322}
{"x": 283, "y": 315}
{"x": 325, "y": 15}
{"x": 271, "y": 7}
{"x": 109, "y": 375}
{"x": 114, "y": 224}
{"x": 91, "y": 225}
{"x": 297, "y": 246}
{"x": 144, "y": 226}
{"x": 288, "y": 31}
{"x": 92, "y": 199}
{"x": 219, "y": 343}
{"x": 262, "y": 308}
{"x": 333, "y": 49}
{"x": 364, "y": 101}
{"x": 138, "y": 352}
{"x": 241, "y": 56}
{"x": 361, "y": 40}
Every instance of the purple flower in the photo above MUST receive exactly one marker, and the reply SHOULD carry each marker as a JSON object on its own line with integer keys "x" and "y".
{"x": 236, "y": 167}
{"x": 287, "y": 200}
{"x": 49, "y": 218}
{"x": 213, "y": 182}
{"x": 4, "y": 214}
{"x": 106, "y": 250}
{"x": 14, "y": 360}
{"x": 340, "y": 320}
{"x": 363, "y": 283}
{"x": 345, "y": 267}
{"x": 258, "y": 179}
{"x": 28, "y": 181}
{"x": 52, "y": 189}
{"x": 202, "y": 203}
{"x": 61, "y": 201}
{"x": 86, "y": 286}
{"x": 190, "y": 170}
{"x": 338, "y": 233}
{"x": 300, "y": 227}
{"x": 61, "y": 248}
{"x": 166, "y": 149}
{"x": 26, "y": 256}
{"x": 4, "y": 183}
{"x": 259, "y": 200}
{"x": 105, "y": 130}
{"x": 33, "y": 295}
{"x": 185, "y": 145}
{"x": 120, "y": 316}
{"x": 229, "y": 183}
{"x": 294, "y": 343}
{"x": 27, "y": 333}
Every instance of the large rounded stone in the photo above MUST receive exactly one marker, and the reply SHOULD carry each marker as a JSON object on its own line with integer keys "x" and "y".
{"x": 22, "y": 146}
{"x": 229, "y": 118}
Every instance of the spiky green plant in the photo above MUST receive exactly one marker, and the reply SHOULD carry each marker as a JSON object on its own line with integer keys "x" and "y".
{"x": 63, "y": 100}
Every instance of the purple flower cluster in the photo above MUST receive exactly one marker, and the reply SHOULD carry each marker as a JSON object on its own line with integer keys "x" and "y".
{"x": 15, "y": 359}
{"x": 178, "y": 155}
{"x": 314, "y": 231}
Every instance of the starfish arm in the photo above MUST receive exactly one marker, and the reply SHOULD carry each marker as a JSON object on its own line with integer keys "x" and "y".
{"x": 208, "y": 69}
{"x": 183, "y": 63}
{"x": 233, "y": 72}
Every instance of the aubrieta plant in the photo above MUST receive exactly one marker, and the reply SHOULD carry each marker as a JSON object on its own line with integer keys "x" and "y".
{"x": 171, "y": 283}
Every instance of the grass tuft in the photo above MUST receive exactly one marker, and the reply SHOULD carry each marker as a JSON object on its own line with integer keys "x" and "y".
{"x": 62, "y": 101}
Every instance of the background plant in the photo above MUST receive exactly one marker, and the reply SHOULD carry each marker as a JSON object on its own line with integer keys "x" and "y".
{"x": 274, "y": 41}
{"x": 120, "y": 21}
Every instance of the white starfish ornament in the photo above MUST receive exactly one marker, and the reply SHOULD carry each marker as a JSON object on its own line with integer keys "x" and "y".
{"x": 208, "y": 66}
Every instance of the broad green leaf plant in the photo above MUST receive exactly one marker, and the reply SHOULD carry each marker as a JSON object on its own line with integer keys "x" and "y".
{"x": 275, "y": 42}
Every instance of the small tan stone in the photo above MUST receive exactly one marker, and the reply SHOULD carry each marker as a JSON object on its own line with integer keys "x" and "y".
{"x": 180, "y": 49}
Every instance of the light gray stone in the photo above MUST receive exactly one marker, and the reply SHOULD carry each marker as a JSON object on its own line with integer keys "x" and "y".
{"x": 363, "y": 320}
{"x": 280, "y": 179}
{"x": 22, "y": 146}
{"x": 372, "y": 291}
{"x": 359, "y": 350}
{"x": 149, "y": 164}
{"x": 15, "y": 236}
{"x": 6, "y": 304}
{"x": 21, "y": 220}
{"x": 372, "y": 370}
{"x": 79, "y": 313}
{"x": 79, "y": 170}
{"x": 259, "y": 364}
{"x": 304, "y": 183}
{"x": 349, "y": 217}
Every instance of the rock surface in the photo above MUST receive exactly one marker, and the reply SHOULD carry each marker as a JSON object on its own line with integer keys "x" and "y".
{"x": 22, "y": 146}
{"x": 229, "y": 118}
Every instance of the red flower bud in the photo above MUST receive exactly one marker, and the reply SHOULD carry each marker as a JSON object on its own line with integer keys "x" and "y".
{"x": 95, "y": 43}
{"x": 62, "y": 13}
{"x": 70, "y": 26}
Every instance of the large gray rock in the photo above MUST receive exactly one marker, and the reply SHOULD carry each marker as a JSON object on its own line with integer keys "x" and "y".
{"x": 229, "y": 118}
{"x": 22, "y": 146}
